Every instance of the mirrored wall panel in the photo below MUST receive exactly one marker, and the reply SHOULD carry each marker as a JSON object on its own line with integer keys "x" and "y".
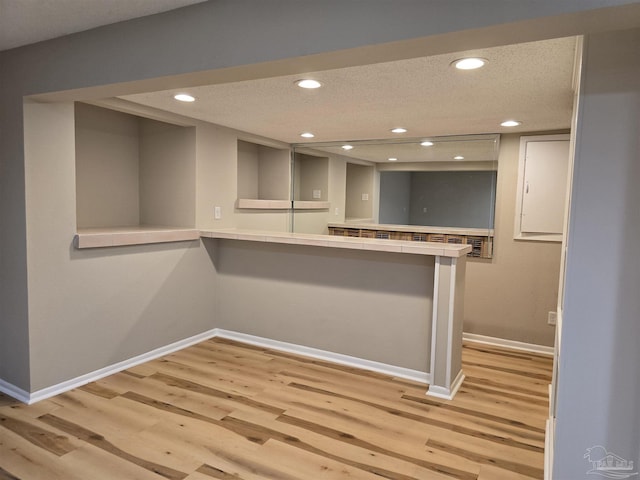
{"x": 439, "y": 189}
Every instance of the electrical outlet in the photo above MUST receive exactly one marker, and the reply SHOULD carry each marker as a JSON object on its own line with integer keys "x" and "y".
{"x": 365, "y": 197}
{"x": 336, "y": 212}
{"x": 552, "y": 318}
{"x": 217, "y": 213}
{"x": 317, "y": 194}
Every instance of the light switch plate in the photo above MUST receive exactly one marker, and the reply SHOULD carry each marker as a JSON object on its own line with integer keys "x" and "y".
{"x": 317, "y": 194}
{"x": 365, "y": 197}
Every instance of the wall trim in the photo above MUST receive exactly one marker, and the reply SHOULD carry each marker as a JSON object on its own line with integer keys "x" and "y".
{"x": 13, "y": 391}
{"x": 325, "y": 355}
{"x": 341, "y": 359}
{"x": 447, "y": 393}
{"x": 513, "y": 344}
{"x": 548, "y": 448}
{"x": 116, "y": 367}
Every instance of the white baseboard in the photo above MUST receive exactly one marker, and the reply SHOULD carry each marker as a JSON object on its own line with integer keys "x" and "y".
{"x": 338, "y": 358}
{"x": 115, "y": 368}
{"x": 447, "y": 393}
{"x": 548, "y": 448}
{"x": 327, "y": 356}
{"x": 501, "y": 342}
{"x": 14, "y": 392}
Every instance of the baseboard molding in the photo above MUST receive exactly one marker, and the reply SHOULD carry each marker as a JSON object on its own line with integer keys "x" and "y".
{"x": 14, "y": 392}
{"x": 447, "y": 393}
{"x": 327, "y": 356}
{"x": 501, "y": 342}
{"x": 548, "y": 448}
{"x": 391, "y": 370}
{"x": 341, "y": 359}
{"x": 115, "y": 368}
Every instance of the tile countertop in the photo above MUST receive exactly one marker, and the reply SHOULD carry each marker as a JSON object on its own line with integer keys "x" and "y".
{"x": 355, "y": 243}
{"x": 483, "y": 232}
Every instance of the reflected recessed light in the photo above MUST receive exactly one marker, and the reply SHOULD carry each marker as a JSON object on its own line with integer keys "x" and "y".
{"x": 458, "y": 157}
{"x": 347, "y": 147}
{"x": 184, "y": 97}
{"x": 307, "y": 135}
{"x": 427, "y": 143}
{"x": 511, "y": 123}
{"x": 469, "y": 63}
{"x": 393, "y": 159}
{"x": 399, "y": 130}
{"x": 308, "y": 83}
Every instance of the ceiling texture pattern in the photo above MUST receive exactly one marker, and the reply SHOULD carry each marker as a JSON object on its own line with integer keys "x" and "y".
{"x": 530, "y": 82}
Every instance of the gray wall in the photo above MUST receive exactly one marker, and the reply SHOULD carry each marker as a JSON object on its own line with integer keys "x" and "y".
{"x": 395, "y": 197}
{"x": 452, "y": 199}
{"x": 599, "y": 389}
{"x": 343, "y": 301}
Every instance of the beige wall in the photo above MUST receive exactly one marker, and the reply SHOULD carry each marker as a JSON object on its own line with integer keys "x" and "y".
{"x": 359, "y": 182}
{"x": 107, "y": 167}
{"x": 510, "y": 295}
{"x": 167, "y": 173}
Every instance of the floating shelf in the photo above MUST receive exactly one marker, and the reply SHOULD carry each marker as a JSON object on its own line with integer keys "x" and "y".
{"x": 311, "y": 205}
{"x": 257, "y": 204}
{"x": 142, "y": 235}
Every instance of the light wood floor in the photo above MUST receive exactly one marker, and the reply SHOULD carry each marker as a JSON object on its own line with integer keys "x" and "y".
{"x": 224, "y": 410}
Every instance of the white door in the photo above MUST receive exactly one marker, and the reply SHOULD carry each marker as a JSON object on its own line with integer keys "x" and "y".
{"x": 545, "y": 185}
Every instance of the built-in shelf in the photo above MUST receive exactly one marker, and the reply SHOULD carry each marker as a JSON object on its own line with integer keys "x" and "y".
{"x": 139, "y": 235}
{"x": 132, "y": 170}
{"x": 263, "y": 177}
{"x": 433, "y": 249}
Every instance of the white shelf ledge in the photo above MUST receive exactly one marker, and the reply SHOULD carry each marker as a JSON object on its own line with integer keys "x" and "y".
{"x": 138, "y": 235}
{"x": 257, "y": 204}
{"x": 394, "y": 246}
{"x": 311, "y": 205}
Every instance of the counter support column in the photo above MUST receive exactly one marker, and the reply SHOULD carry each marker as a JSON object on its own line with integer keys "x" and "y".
{"x": 446, "y": 327}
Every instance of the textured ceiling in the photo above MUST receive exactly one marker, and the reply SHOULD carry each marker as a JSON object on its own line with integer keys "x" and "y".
{"x": 530, "y": 82}
{"x": 28, "y": 21}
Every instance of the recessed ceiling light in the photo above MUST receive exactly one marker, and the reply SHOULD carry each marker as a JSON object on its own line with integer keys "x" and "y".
{"x": 393, "y": 159}
{"x": 308, "y": 83}
{"x": 511, "y": 123}
{"x": 399, "y": 130}
{"x": 347, "y": 147}
{"x": 427, "y": 143}
{"x": 470, "y": 63}
{"x": 307, "y": 135}
{"x": 184, "y": 97}
{"x": 458, "y": 157}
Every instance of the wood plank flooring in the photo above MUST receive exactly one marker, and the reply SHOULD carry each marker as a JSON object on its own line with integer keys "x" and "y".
{"x": 224, "y": 410}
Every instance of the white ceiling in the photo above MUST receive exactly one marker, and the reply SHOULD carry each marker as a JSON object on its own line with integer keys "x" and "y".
{"x": 28, "y": 21}
{"x": 530, "y": 82}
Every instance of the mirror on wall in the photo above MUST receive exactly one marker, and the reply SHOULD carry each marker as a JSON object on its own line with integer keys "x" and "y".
{"x": 442, "y": 186}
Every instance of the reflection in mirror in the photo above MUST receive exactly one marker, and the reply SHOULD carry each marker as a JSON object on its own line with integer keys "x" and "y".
{"x": 437, "y": 189}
